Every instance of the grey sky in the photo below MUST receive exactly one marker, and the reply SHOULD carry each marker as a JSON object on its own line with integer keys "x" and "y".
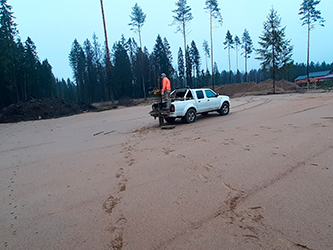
{"x": 54, "y": 24}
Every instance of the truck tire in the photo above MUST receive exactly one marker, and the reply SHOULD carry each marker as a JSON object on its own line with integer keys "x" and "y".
{"x": 190, "y": 116}
{"x": 224, "y": 110}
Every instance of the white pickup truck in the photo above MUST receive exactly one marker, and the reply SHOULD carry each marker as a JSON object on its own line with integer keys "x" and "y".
{"x": 187, "y": 103}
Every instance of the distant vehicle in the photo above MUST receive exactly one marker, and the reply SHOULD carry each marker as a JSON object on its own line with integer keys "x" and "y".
{"x": 187, "y": 103}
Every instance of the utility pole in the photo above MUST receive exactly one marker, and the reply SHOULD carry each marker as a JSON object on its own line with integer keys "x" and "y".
{"x": 108, "y": 61}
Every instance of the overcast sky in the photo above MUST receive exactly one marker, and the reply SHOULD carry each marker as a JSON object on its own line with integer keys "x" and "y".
{"x": 54, "y": 24}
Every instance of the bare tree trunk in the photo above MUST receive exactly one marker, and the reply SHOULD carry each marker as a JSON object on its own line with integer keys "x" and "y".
{"x": 274, "y": 88}
{"x": 237, "y": 58}
{"x": 247, "y": 77}
{"x": 140, "y": 39}
{"x": 142, "y": 74}
{"x": 185, "y": 49}
{"x": 108, "y": 61}
{"x": 211, "y": 47}
{"x": 142, "y": 67}
{"x": 308, "y": 59}
{"x": 229, "y": 58}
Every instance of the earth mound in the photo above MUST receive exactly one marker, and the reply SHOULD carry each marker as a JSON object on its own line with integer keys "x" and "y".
{"x": 252, "y": 88}
{"x": 53, "y": 107}
{"x": 45, "y": 108}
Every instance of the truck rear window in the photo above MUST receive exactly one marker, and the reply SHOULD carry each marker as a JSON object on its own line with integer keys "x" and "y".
{"x": 189, "y": 95}
{"x": 200, "y": 94}
{"x": 180, "y": 94}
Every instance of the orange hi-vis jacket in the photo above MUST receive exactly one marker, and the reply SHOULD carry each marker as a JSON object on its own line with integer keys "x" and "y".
{"x": 165, "y": 84}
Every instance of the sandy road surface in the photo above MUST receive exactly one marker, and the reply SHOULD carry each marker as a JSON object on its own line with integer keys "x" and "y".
{"x": 259, "y": 178}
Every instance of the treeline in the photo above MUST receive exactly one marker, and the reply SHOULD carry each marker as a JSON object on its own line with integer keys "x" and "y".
{"x": 133, "y": 70}
{"x": 22, "y": 75}
{"x": 289, "y": 72}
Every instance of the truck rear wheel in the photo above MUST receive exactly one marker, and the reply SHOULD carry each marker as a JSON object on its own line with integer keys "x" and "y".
{"x": 190, "y": 116}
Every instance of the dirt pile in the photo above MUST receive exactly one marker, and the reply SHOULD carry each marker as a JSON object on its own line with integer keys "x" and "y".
{"x": 53, "y": 107}
{"x": 252, "y": 88}
{"x": 45, "y": 108}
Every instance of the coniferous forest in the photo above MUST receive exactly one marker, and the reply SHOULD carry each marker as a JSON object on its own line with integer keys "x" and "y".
{"x": 23, "y": 76}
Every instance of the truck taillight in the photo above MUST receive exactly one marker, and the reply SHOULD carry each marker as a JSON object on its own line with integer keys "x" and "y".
{"x": 172, "y": 108}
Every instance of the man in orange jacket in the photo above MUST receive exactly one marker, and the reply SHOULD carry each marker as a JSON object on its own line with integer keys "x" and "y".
{"x": 166, "y": 89}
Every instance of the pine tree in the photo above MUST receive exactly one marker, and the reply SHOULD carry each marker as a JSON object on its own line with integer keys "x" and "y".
{"x": 195, "y": 60}
{"x": 309, "y": 17}
{"x": 77, "y": 63}
{"x": 162, "y": 58}
{"x": 70, "y": 91}
{"x": 182, "y": 17}
{"x": 229, "y": 42}
{"x": 21, "y": 79}
{"x": 247, "y": 47}
{"x": 8, "y": 29}
{"x": 214, "y": 14}
{"x": 101, "y": 81}
{"x": 132, "y": 48}
{"x": 168, "y": 53}
{"x": 47, "y": 79}
{"x": 97, "y": 50}
{"x": 138, "y": 19}
{"x": 275, "y": 49}
{"x": 188, "y": 67}
{"x": 8, "y": 56}
{"x": 22, "y": 75}
{"x": 90, "y": 72}
{"x": 217, "y": 74}
{"x": 181, "y": 67}
{"x": 122, "y": 70}
{"x": 206, "y": 50}
{"x": 237, "y": 42}
{"x": 31, "y": 64}
{"x": 141, "y": 72}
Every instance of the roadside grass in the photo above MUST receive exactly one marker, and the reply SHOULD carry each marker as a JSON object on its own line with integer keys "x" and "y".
{"x": 106, "y": 107}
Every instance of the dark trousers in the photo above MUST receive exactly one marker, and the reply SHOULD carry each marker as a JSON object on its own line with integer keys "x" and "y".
{"x": 166, "y": 98}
